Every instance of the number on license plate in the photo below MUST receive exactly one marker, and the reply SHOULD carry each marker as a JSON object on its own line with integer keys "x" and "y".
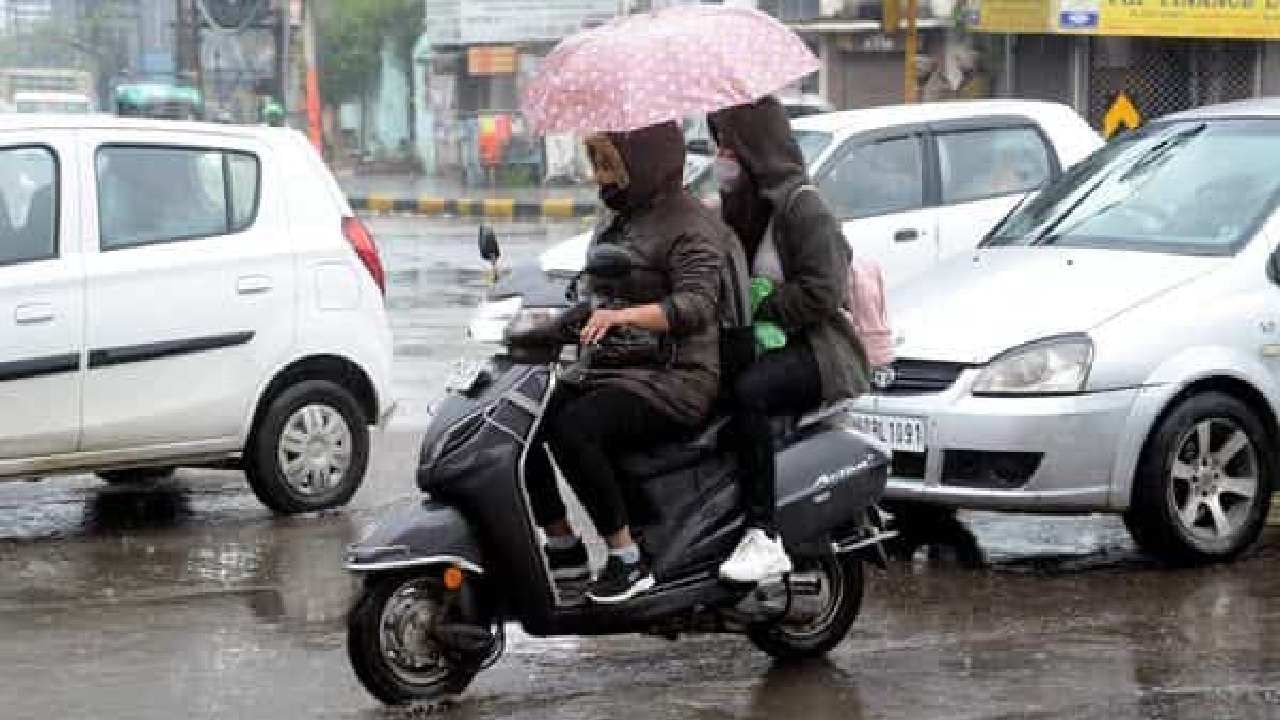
{"x": 900, "y": 433}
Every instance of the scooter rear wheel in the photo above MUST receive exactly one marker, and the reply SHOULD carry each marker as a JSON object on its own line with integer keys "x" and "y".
{"x": 841, "y": 588}
{"x": 389, "y": 645}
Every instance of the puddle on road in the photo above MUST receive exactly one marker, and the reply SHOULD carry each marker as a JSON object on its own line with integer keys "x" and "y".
{"x": 195, "y": 583}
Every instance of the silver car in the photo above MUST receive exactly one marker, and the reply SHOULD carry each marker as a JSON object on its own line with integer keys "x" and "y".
{"x": 1113, "y": 345}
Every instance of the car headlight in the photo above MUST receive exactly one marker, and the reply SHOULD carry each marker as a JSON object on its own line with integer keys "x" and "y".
{"x": 1049, "y": 367}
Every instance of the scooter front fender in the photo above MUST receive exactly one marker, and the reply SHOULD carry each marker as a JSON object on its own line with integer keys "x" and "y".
{"x": 421, "y": 534}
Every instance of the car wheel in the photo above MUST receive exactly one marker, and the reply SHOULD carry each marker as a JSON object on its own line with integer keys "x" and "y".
{"x": 1203, "y": 486}
{"x": 310, "y": 449}
{"x": 136, "y": 476}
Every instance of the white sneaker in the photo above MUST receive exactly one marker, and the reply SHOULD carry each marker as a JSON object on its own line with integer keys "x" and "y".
{"x": 757, "y": 558}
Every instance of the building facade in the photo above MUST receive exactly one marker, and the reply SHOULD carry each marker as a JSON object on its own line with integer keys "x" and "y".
{"x": 474, "y": 61}
{"x": 22, "y": 16}
{"x": 862, "y": 66}
{"x": 1162, "y": 55}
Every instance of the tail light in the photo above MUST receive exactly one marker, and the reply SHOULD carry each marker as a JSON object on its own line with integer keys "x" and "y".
{"x": 362, "y": 241}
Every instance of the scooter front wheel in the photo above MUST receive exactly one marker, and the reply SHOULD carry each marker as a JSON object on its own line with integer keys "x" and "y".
{"x": 390, "y": 644}
{"x": 815, "y": 625}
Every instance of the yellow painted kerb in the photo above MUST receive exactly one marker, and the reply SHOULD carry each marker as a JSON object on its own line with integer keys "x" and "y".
{"x": 557, "y": 207}
{"x": 499, "y": 207}
{"x": 431, "y": 205}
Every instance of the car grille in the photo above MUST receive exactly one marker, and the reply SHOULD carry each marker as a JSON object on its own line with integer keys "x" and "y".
{"x": 913, "y": 377}
{"x": 908, "y": 466}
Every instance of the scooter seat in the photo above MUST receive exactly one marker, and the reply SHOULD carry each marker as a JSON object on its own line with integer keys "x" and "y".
{"x": 668, "y": 457}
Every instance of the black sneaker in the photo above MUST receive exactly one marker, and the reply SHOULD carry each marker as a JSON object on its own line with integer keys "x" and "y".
{"x": 620, "y": 581}
{"x": 569, "y": 564}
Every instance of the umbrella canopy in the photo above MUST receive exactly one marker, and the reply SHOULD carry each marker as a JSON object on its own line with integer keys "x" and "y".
{"x": 666, "y": 65}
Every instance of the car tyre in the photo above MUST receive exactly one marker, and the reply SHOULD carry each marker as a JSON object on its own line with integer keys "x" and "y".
{"x": 1203, "y": 485}
{"x": 136, "y": 476}
{"x": 309, "y": 450}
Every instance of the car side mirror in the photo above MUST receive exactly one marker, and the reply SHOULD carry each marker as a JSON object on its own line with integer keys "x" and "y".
{"x": 609, "y": 261}
{"x": 1273, "y": 266}
{"x": 488, "y": 244}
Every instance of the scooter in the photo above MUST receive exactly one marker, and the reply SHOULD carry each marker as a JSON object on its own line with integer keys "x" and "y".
{"x": 442, "y": 576}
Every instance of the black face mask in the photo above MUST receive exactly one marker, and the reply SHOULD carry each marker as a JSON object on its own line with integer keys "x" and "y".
{"x": 614, "y": 197}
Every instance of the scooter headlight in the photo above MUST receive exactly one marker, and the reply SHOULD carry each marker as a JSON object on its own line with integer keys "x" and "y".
{"x": 492, "y": 318}
{"x": 529, "y": 318}
{"x": 1057, "y": 366}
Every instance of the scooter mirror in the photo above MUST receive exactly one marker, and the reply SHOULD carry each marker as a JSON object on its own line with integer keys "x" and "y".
{"x": 609, "y": 261}
{"x": 488, "y": 243}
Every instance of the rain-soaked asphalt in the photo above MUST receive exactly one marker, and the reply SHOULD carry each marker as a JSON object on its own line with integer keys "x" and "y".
{"x": 189, "y": 600}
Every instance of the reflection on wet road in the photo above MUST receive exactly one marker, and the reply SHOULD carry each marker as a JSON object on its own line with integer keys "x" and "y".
{"x": 190, "y": 600}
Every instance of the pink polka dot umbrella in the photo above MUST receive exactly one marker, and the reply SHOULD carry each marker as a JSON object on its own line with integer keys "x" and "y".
{"x": 645, "y": 69}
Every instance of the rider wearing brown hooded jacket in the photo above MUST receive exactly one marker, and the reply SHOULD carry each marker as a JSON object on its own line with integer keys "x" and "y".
{"x": 634, "y": 402}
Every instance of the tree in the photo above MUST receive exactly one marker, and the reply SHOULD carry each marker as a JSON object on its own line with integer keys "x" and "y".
{"x": 350, "y": 36}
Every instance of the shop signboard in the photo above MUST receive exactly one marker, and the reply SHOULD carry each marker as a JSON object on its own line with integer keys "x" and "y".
{"x": 468, "y": 22}
{"x": 1234, "y": 19}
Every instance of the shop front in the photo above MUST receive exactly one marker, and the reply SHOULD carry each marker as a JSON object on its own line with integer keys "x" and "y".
{"x": 1162, "y": 56}
{"x": 474, "y": 62}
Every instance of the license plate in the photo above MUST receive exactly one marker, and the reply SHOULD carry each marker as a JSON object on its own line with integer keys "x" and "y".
{"x": 902, "y": 434}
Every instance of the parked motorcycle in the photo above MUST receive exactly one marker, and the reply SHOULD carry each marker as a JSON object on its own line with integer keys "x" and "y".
{"x": 442, "y": 576}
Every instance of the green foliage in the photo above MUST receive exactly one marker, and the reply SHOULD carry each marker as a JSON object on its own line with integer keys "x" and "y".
{"x": 350, "y": 36}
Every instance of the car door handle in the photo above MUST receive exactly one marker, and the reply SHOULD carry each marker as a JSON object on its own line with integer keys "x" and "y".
{"x": 906, "y": 235}
{"x": 33, "y": 314}
{"x": 253, "y": 285}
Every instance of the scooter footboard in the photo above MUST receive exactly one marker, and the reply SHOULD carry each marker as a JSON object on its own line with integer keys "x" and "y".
{"x": 420, "y": 534}
{"x": 826, "y": 481}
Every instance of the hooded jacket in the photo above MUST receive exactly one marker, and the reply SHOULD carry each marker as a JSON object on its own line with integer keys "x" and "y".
{"x": 811, "y": 247}
{"x": 681, "y": 247}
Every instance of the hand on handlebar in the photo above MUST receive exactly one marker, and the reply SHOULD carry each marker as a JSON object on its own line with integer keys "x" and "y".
{"x": 599, "y": 325}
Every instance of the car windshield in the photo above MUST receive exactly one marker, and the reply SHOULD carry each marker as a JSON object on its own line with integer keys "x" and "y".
{"x": 812, "y": 143}
{"x": 1196, "y": 188}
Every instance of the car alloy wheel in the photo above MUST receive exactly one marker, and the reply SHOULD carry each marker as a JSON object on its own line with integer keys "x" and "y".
{"x": 1203, "y": 484}
{"x": 1214, "y": 477}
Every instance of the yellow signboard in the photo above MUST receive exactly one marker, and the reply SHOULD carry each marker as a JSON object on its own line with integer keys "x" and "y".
{"x": 1236, "y": 19}
{"x": 1256, "y": 19}
{"x": 1008, "y": 16}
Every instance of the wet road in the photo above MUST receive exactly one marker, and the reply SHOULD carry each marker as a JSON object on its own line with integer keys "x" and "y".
{"x": 190, "y": 600}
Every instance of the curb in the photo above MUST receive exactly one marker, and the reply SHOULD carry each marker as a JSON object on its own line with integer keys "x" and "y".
{"x": 506, "y": 208}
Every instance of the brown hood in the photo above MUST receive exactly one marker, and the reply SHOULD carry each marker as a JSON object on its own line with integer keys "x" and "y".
{"x": 760, "y": 135}
{"x": 654, "y": 157}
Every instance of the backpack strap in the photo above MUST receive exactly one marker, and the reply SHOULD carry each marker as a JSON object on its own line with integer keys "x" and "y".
{"x": 795, "y": 193}
{"x": 734, "y": 283}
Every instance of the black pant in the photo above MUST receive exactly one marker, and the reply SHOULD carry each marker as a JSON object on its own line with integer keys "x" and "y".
{"x": 783, "y": 382}
{"x": 585, "y": 429}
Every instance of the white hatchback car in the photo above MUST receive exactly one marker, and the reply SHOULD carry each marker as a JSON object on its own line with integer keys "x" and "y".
{"x": 913, "y": 184}
{"x": 181, "y": 294}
